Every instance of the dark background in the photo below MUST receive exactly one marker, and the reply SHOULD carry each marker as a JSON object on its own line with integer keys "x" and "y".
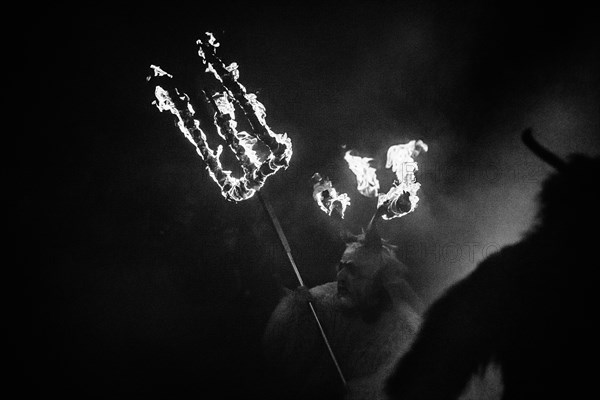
{"x": 145, "y": 283}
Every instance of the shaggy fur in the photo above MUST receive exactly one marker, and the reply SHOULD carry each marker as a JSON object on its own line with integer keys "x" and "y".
{"x": 366, "y": 344}
{"x": 527, "y": 308}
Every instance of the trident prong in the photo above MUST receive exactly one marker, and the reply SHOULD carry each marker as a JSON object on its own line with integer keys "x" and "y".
{"x": 168, "y": 98}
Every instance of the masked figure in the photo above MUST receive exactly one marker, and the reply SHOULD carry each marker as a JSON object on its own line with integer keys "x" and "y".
{"x": 369, "y": 314}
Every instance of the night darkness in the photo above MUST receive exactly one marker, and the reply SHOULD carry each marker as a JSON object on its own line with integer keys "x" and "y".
{"x": 145, "y": 283}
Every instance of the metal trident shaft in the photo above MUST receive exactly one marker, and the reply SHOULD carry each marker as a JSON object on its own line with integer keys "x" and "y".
{"x": 288, "y": 251}
{"x": 169, "y": 99}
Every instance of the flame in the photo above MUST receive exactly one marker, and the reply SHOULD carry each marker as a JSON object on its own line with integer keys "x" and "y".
{"x": 280, "y": 145}
{"x": 400, "y": 159}
{"x": 366, "y": 179}
{"x": 241, "y": 143}
{"x": 158, "y": 71}
{"x": 183, "y": 111}
{"x": 402, "y": 197}
{"x": 225, "y": 110}
{"x": 327, "y": 197}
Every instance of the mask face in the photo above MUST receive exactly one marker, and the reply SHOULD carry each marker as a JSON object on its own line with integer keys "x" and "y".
{"x": 356, "y": 274}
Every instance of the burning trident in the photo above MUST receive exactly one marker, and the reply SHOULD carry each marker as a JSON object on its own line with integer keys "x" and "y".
{"x": 242, "y": 144}
{"x": 255, "y": 170}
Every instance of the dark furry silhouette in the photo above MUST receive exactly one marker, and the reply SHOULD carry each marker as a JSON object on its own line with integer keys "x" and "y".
{"x": 527, "y": 308}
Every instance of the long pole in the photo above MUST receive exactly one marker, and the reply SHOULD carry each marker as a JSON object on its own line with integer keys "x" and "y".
{"x": 288, "y": 251}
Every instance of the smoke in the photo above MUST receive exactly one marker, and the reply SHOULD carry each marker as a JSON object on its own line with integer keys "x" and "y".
{"x": 442, "y": 75}
{"x": 137, "y": 233}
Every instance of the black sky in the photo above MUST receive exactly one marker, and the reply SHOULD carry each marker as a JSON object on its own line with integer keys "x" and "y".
{"x": 146, "y": 283}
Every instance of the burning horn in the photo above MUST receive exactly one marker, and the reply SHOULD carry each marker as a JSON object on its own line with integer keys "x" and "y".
{"x": 540, "y": 151}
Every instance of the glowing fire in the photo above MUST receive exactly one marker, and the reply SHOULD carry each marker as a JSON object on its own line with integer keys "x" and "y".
{"x": 168, "y": 98}
{"x": 366, "y": 178}
{"x": 402, "y": 197}
{"x": 327, "y": 197}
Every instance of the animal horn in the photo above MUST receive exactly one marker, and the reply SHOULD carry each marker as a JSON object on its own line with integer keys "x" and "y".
{"x": 372, "y": 238}
{"x": 540, "y": 151}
